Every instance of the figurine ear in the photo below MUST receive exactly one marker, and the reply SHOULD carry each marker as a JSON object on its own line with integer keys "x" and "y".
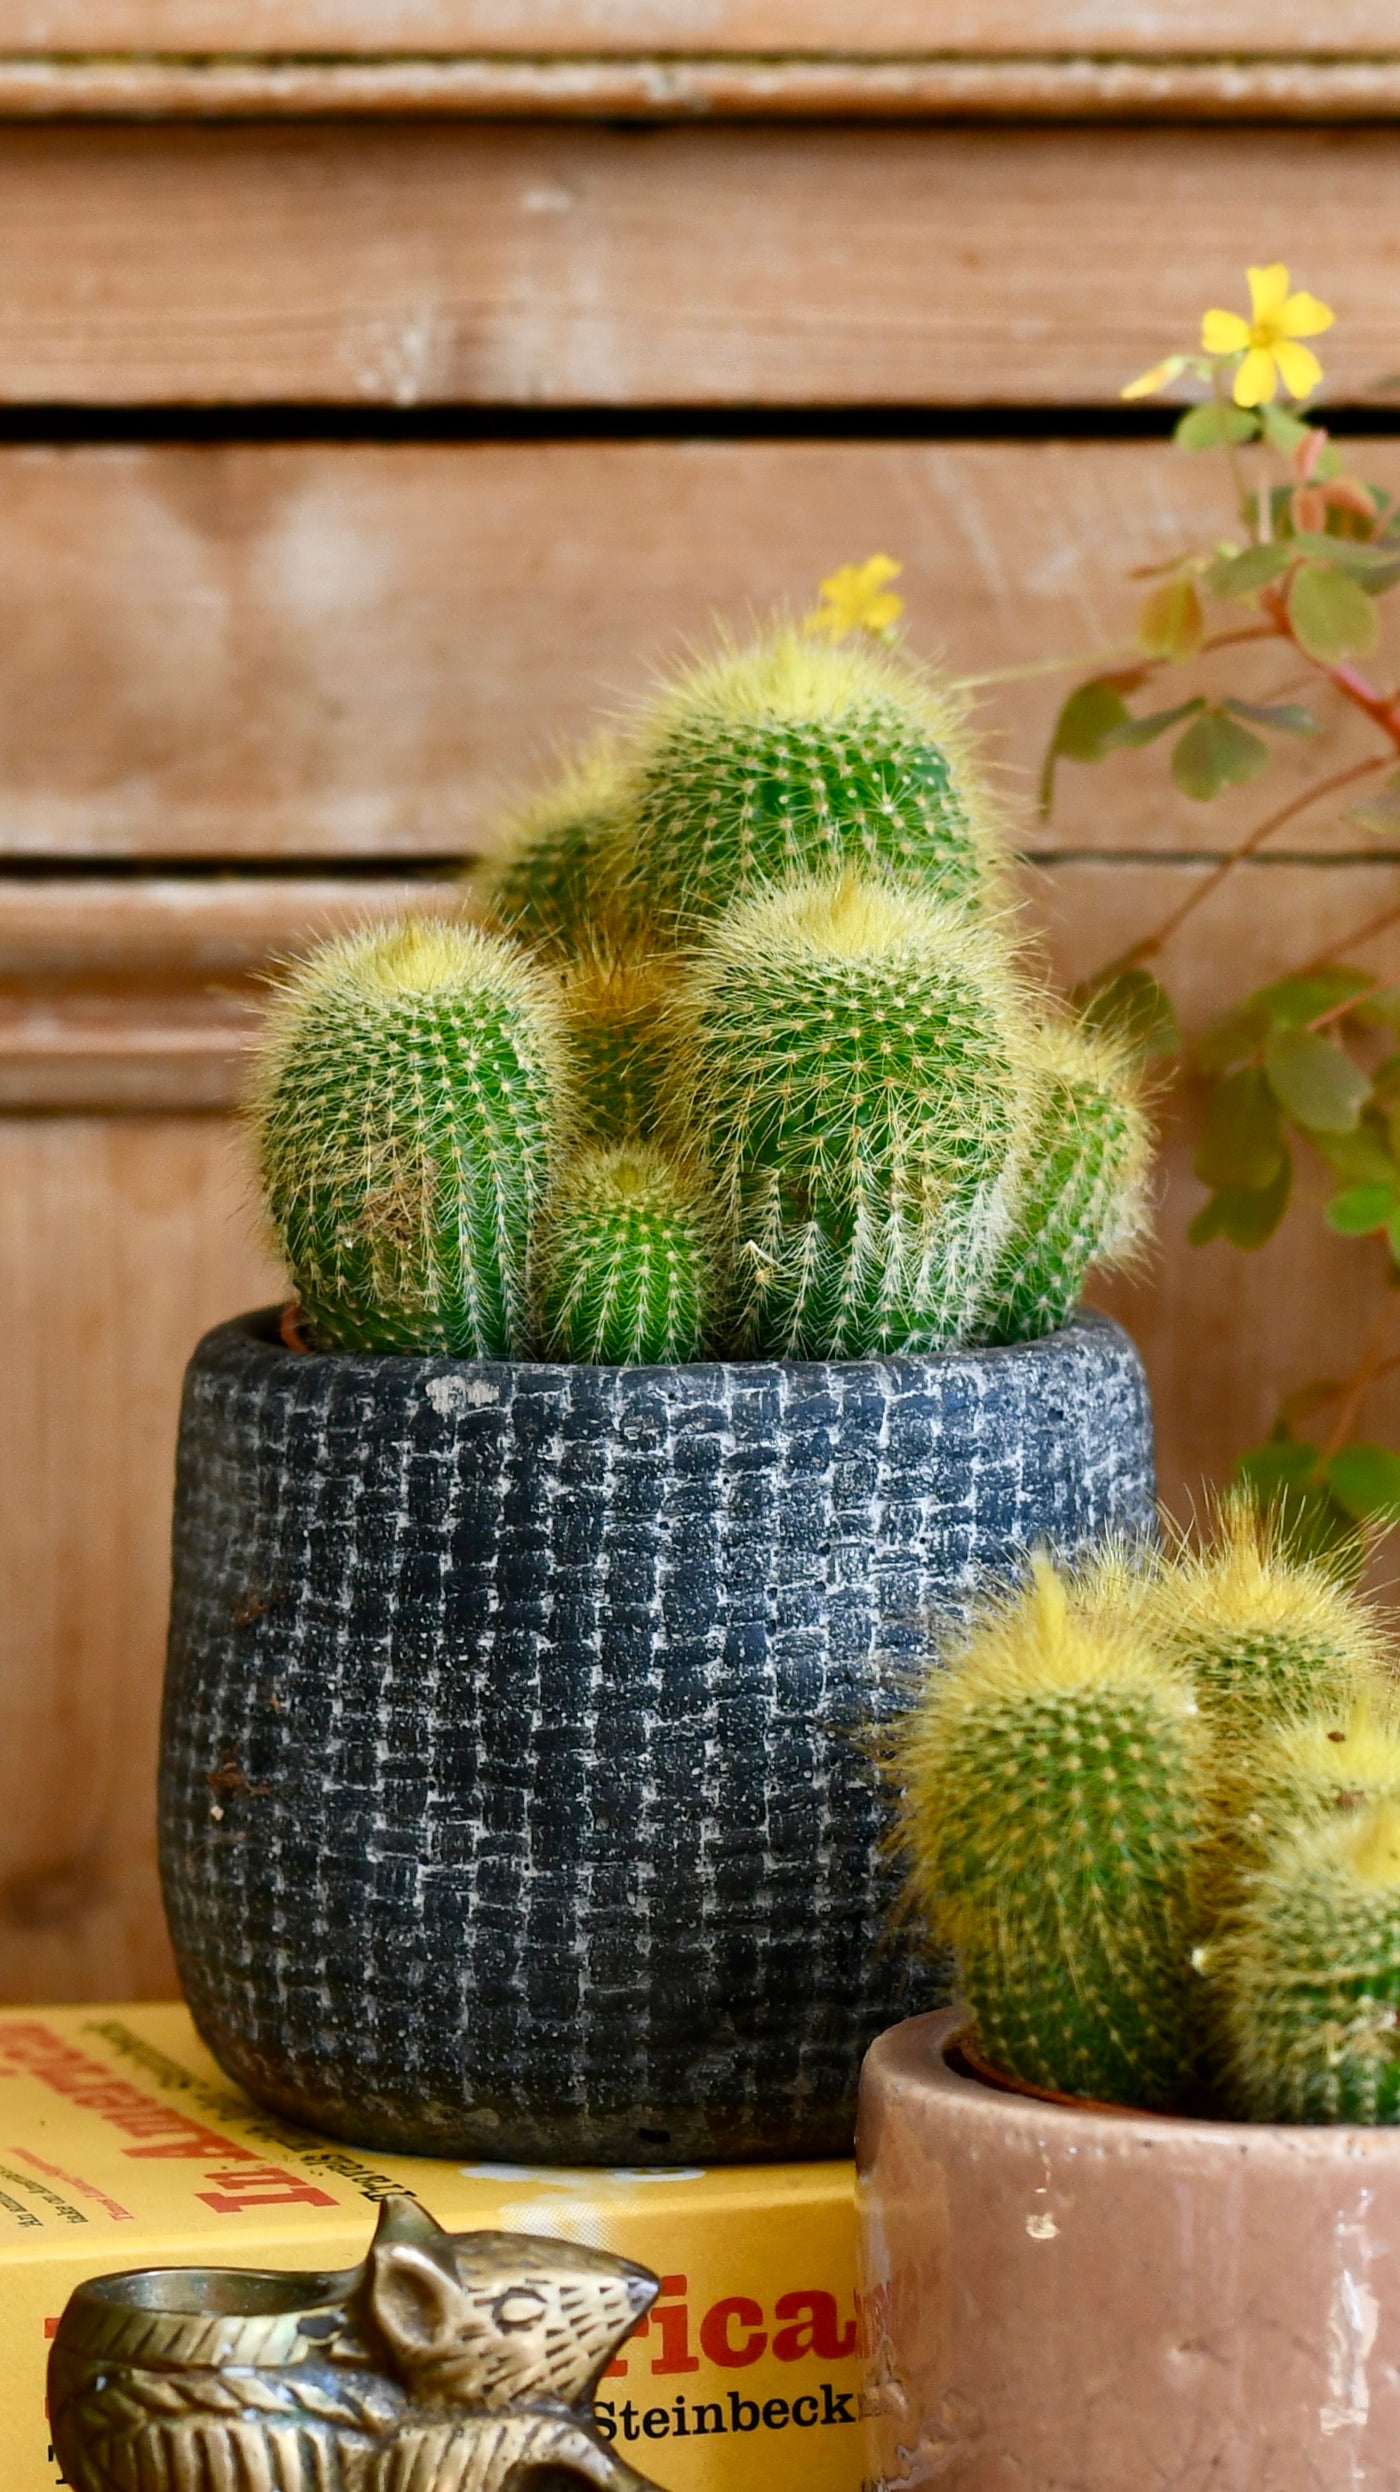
{"x": 413, "y": 2302}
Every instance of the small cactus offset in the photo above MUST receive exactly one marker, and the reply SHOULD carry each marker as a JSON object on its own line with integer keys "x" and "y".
{"x": 627, "y": 1261}
{"x": 1082, "y": 1198}
{"x": 791, "y": 759}
{"x": 1053, "y": 1815}
{"x": 612, "y": 1016}
{"x": 407, "y": 1104}
{"x": 1307, "y": 1975}
{"x": 850, "y": 1058}
{"x": 1266, "y": 1635}
{"x": 549, "y": 883}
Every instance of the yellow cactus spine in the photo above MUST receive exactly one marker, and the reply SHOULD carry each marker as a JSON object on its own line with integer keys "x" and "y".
{"x": 551, "y": 881}
{"x": 850, "y": 1059}
{"x": 627, "y": 1267}
{"x": 1082, "y": 1200}
{"x": 1266, "y": 1636}
{"x": 408, "y": 1099}
{"x": 1308, "y": 1975}
{"x": 1054, "y": 1808}
{"x": 786, "y": 758}
{"x": 613, "y": 1002}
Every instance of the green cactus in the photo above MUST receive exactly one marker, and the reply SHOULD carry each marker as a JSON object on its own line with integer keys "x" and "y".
{"x": 1268, "y": 1637}
{"x": 627, "y": 1260}
{"x": 850, "y": 1059}
{"x": 1307, "y": 1975}
{"x": 1053, "y": 1811}
{"x": 551, "y": 882}
{"x": 787, "y": 758}
{"x": 612, "y": 1010}
{"x": 407, "y": 1101}
{"x": 1082, "y": 1198}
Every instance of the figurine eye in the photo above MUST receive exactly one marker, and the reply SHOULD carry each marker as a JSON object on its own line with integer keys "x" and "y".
{"x": 520, "y": 2308}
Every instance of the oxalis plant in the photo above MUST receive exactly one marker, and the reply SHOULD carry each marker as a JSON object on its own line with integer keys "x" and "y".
{"x": 1153, "y": 1805}
{"x": 1305, "y": 556}
{"x": 741, "y": 1056}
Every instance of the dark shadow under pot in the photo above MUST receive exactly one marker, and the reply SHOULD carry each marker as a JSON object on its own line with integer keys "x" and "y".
{"x": 516, "y": 1788}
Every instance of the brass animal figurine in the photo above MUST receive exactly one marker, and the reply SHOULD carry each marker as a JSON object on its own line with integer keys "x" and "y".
{"x": 447, "y": 2362}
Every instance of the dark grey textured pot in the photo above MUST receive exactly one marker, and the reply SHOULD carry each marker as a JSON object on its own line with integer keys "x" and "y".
{"x": 516, "y": 1798}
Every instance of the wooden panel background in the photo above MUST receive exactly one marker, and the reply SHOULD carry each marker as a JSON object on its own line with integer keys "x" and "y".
{"x": 257, "y": 688}
{"x": 419, "y": 263}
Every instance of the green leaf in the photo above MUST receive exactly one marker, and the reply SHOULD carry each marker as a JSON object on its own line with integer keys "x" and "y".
{"x": 1087, "y": 719}
{"x": 1146, "y": 730}
{"x": 1239, "y": 1032}
{"x": 1132, "y": 1007}
{"x": 1380, "y": 815}
{"x": 1216, "y": 752}
{"x": 1241, "y": 1142}
{"x": 1247, "y": 1219}
{"x": 1366, "y": 1480}
{"x": 1293, "y": 1002}
{"x": 1361, "y": 1158}
{"x": 1283, "y": 432}
{"x": 1359, "y": 1209}
{"x": 1282, "y": 1462}
{"x": 1243, "y": 575}
{"x": 1345, "y": 553}
{"x": 1285, "y": 717}
{"x": 1331, "y": 617}
{"x": 1286, "y": 1477}
{"x": 1315, "y": 1082}
{"x": 1171, "y": 623}
{"x": 1208, "y": 427}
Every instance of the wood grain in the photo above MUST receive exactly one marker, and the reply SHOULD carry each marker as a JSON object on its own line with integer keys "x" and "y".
{"x": 670, "y": 87}
{"x": 318, "y": 652}
{"x": 120, "y": 1241}
{"x": 121, "y": 1238}
{"x": 144, "y": 996}
{"x": 432, "y": 262}
{"x": 754, "y": 26}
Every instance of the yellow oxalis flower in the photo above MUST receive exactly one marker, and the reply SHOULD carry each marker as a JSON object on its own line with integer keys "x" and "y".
{"x": 1268, "y": 339}
{"x": 858, "y": 598}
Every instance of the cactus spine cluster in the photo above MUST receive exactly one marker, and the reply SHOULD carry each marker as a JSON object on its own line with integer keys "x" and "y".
{"x": 852, "y": 1055}
{"x": 549, "y": 882}
{"x": 408, "y": 1103}
{"x": 789, "y": 758}
{"x": 764, "y": 931}
{"x": 627, "y": 1260}
{"x": 1309, "y": 1975}
{"x": 1170, "y": 1879}
{"x": 1054, "y": 1819}
{"x": 1082, "y": 1200}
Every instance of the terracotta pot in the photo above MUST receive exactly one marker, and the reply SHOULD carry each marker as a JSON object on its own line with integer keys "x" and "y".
{"x": 1066, "y": 2299}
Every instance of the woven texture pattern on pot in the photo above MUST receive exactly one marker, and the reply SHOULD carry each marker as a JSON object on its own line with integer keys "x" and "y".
{"x": 516, "y": 1793}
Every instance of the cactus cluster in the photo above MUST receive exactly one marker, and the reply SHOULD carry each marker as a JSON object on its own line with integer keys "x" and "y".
{"x": 743, "y": 1000}
{"x": 1153, "y": 1803}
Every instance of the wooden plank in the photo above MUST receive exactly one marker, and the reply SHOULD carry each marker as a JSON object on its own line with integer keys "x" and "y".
{"x": 753, "y": 26}
{"x": 122, "y": 1238}
{"x": 143, "y": 996}
{"x": 120, "y": 1241}
{"x": 357, "y": 651}
{"x": 431, "y": 262}
{"x": 669, "y": 87}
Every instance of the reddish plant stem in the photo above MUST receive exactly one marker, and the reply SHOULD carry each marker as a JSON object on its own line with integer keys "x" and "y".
{"x": 1148, "y": 945}
{"x": 1359, "y": 1382}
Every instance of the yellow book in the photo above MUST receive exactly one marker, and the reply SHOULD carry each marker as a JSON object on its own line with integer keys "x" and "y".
{"x": 123, "y": 2145}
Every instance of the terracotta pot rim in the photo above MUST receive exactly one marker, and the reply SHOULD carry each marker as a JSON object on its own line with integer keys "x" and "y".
{"x": 961, "y": 2061}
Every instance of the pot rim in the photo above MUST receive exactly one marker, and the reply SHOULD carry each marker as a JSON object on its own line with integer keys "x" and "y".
{"x": 281, "y": 1330}
{"x": 927, "y": 2052}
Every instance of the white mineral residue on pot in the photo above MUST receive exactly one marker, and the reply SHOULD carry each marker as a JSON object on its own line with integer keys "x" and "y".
{"x": 452, "y": 1395}
{"x": 1352, "y": 2321}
